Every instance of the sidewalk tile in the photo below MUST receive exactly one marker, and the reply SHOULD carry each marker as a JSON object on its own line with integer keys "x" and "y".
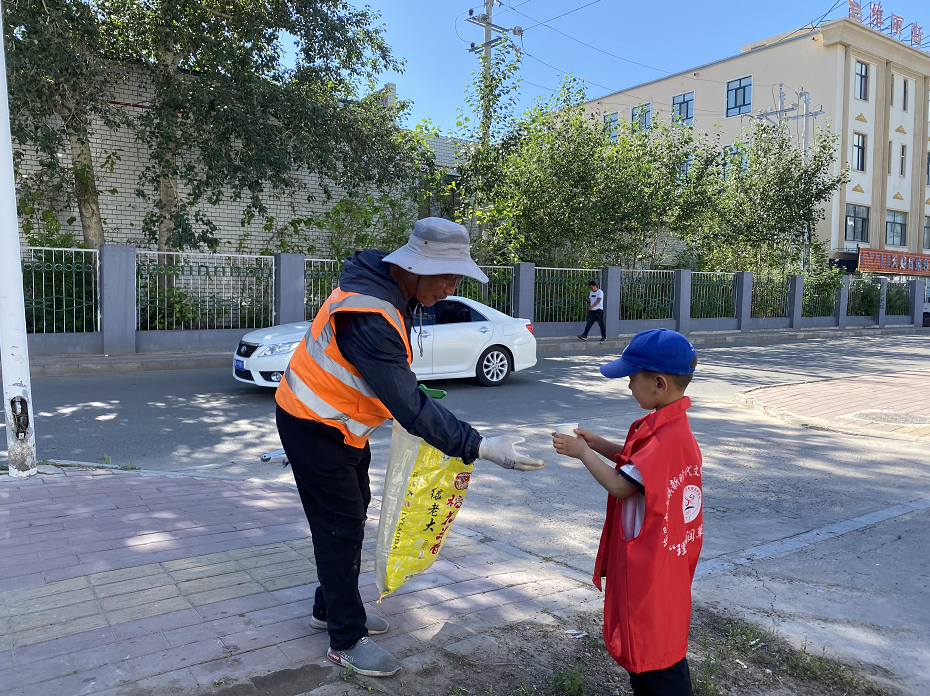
{"x": 237, "y": 605}
{"x": 174, "y": 658}
{"x": 174, "y": 682}
{"x": 62, "y": 646}
{"x": 53, "y": 615}
{"x": 80, "y": 683}
{"x": 47, "y": 633}
{"x": 52, "y": 667}
{"x": 225, "y": 592}
{"x": 269, "y": 634}
{"x": 78, "y": 571}
{"x": 114, "y": 653}
{"x": 38, "y": 566}
{"x": 293, "y": 594}
{"x": 306, "y": 648}
{"x": 146, "y": 582}
{"x": 157, "y": 624}
{"x": 124, "y": 600}
{"x": 282, "y": 612}
{"x": 115, "y": 576}
{"x": 239, "y": 666}
{"x": 188, "y": 634}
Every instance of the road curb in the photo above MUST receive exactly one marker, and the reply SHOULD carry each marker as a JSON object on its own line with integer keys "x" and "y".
{"x": 572, "y": 344}
{"x": 746, "y": 398}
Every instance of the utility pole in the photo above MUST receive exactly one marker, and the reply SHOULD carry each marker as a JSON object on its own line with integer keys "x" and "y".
{"x": 807, "y": 115}
{"x": 776, "y": 117}
{"x": 484, "y": 20}
{"x": 14, "y": 350}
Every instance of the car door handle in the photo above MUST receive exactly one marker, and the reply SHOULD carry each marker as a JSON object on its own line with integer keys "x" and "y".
{"x": 425, "y": 334}
{"x": 483, "y": 329}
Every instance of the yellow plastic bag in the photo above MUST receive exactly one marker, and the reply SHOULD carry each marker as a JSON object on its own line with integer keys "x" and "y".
{"x": 423, "y": 492}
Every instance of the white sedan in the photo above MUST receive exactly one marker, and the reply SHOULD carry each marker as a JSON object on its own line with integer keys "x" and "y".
{"x": 461, "y": 338}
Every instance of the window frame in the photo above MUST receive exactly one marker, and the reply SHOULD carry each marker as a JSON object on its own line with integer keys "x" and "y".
{"x": 926, "y": 231}
{"x": 890, "y": 155}
{"x": 928, "y": 169}
{"x": 862, "y": 228}
{"x": 903, "y": 167}
{"x": 614, "y": 119}
{"x": 891, "y": 103}
{"x": 742, "y": 87}
{"x": 899, "y": 223}
{"x": 676, "y": 115}
{"x": 904, "y": 96}
{"x": 636, "y": 113}
{"x": 862, "y": 81}
{"x": 859, "y": 152}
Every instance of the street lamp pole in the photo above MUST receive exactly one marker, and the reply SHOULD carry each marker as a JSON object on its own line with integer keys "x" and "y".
{"x": 14, "y": 349}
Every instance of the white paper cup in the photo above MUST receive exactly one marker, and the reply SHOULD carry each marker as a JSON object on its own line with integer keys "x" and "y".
{"x": 566, "y": 428}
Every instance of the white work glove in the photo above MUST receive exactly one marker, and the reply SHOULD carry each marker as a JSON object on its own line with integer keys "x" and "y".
{"x": 500, "y": 450}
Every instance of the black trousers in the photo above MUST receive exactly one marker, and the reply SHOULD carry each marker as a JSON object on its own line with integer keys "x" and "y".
{"x": 671, "y": 681}
{"x": 595, "y": 316}
{"x": 332, "y": 480}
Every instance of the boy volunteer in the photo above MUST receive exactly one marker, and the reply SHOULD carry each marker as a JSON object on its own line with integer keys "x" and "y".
{"x": 654, "y": 528}
{"x": 349, "y": 374}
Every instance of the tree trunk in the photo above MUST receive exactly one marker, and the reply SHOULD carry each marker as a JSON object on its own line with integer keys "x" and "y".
{"x": 85, "y": 181}
{"x": 168, "y": 196}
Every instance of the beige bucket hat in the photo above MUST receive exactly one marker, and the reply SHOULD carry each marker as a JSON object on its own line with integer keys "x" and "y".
{"x": 436, "y": 247}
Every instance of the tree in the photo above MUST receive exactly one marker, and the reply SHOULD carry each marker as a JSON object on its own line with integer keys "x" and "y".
{"x": 58, "y": 83}
{"x": 771, "y": 195}
{"x": 229, "y": 122}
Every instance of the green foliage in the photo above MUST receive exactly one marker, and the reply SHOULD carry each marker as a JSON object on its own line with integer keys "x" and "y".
{"x": 864, "y": 296}
{"x": 570, "y": 682}
{"x": 897, "y": 300}
{"x": 769, "y": 296}
{"x": 228, "y": 121}
{"x": 59, "y": 289}
{"x": 365, "y": 222}
{"x": 713, "y": 295}
{"x": 170, "y": 308}
{"x": 820, "y": 288}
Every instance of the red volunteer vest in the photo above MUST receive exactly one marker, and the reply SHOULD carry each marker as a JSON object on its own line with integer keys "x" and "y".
{"x": 647, "y": 603}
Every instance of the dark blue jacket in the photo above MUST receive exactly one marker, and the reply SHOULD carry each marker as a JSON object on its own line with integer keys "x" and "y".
{"x": 373, "y": 346}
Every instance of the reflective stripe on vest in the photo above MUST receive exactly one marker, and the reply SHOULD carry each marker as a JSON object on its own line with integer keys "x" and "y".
{"x": 321, "y": 385}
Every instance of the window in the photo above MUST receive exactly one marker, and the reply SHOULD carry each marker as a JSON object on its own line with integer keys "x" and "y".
{"x": 892, "y": 89}
{"x": 739, "y": 96}
{"x": 890, "y": 150}
{"x": 862, "y": 80}
{"x": 858, "y": 158}
{"x": 895, "y": 228}
{"x": 642, "y": 115}
{"x": 683, "y": 109}
{"x": 928, "y": 169}
{"x": 927, "y": 232}
{"x": 452, "y": 312}
{"x": 610, "y": 124}
{"x": 857, "y": 223}
{"x": 903, "y": 160}
{"x": 685, "y": 167}
{"x": 904, "y": 96}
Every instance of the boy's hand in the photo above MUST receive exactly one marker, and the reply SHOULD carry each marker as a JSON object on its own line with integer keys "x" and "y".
{"x": 569, "y": 446}
{"x": 589, "y": 437}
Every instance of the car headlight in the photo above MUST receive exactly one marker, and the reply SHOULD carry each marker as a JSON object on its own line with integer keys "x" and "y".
{"x": 277, "y": 349}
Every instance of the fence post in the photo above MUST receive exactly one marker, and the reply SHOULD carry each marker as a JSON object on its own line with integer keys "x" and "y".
{"x": 681, "y": 307}
{"x": 290, "y": 289}
{"x": 117, "y": 290}
{"x": 795, "y": 301}
{"x": 882, "y": 302}
{"x": 842, "y": 303}
{"x": 524, "y": 290}
{"x": 743, "y": 300}
{"x": 917, "y": 289}
{"x": 610, "y": 280}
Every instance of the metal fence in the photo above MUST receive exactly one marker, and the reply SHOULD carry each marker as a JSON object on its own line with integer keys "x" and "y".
{"x": 646, "y": 294}
{"x": 497, "y": 293}
{"x": 321, "y": 276}
{"x": 562, "y": 293}
{"x": 713, "y": 295}
{"x": 863, "y": 298}
{"x": 60, "y": 290}
{"x": 769, "y": 297}
{"x": 819, "y": 297}
{"x": 180, "y": 290}
{"x": 898, "y": 299}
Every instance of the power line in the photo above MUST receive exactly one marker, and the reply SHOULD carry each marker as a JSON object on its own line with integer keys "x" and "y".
{"x": 564, "y": 14}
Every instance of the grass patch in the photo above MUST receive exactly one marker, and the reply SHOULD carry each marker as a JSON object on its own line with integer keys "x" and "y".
{"x": 730, "y": 652}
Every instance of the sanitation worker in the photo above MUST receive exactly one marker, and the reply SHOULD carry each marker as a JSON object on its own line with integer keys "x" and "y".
{"x": 349, "y": 374}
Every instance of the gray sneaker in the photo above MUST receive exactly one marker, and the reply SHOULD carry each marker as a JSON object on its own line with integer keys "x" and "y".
{"x": 374, "y": 623}
{"x": 366, "y": 657}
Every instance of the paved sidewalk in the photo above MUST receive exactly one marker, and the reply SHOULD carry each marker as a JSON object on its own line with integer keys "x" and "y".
{"x": 892, "y": 405}
{"x": 140, "y": 582}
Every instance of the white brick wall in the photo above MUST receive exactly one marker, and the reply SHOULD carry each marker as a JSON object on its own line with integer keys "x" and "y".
{"x": 123, "y": 211}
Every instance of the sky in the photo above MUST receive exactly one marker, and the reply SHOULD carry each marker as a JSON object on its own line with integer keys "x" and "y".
{"x": 433, "y": 38}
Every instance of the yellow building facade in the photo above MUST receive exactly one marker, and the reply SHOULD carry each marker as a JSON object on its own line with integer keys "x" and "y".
{"x": 871, "y": 87}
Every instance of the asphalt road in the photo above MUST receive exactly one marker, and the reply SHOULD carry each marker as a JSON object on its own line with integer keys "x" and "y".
{"x": 864, "y": 594}
{"x": 172, "y": 419}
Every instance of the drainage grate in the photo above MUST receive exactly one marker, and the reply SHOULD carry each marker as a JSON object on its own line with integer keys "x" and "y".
{"x": 895, "y": 417}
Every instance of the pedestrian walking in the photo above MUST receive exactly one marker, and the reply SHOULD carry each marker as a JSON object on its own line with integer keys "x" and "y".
{"x": 349, "y": 374}
{"x": 595, "y": 311}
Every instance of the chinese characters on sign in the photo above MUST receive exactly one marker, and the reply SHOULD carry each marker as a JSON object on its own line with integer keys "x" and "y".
{"x": 898, "y": 263}
{"x": 875, "y": 18}
{"x": 855, "y": 10}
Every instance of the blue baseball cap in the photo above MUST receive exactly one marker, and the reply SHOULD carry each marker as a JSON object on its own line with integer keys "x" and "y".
{"x": 657, "y": 350}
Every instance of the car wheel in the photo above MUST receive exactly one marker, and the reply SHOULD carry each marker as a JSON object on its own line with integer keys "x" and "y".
{"x": 493, "y": 367}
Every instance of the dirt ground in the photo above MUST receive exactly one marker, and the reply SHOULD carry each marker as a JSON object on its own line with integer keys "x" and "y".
{"x": 552, "y": 655}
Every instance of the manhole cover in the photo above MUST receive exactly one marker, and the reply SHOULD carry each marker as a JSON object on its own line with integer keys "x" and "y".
{"x": 895, "y": 417}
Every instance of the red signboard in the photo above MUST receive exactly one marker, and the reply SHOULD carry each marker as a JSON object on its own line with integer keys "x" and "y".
{"x": 894, "y": 262}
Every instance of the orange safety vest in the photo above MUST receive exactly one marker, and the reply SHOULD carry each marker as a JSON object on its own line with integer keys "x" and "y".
{"x": 321, "y": 385}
